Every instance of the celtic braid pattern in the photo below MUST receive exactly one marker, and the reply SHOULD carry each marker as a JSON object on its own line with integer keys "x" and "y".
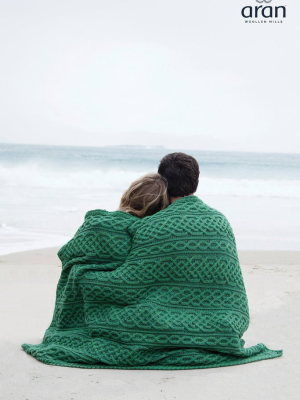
{"x": 163, "y": 292}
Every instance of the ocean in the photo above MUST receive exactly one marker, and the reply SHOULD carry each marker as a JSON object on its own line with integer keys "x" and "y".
{"x": 46, "y": 191}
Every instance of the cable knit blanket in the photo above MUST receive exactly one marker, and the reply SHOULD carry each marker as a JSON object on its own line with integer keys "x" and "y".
{"x": 163, "y": 292}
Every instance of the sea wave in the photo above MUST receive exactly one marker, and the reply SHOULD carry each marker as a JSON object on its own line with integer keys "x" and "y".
{"x": 37, "y": 176}
{"x": 249, "y": 187}
{"x": 13, "y": 239}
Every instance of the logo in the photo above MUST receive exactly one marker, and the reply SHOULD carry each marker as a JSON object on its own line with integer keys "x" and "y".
{"x": 264, "y": 13}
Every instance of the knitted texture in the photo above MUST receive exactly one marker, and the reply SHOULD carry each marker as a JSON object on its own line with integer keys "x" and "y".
{"x": 163, "y": 292}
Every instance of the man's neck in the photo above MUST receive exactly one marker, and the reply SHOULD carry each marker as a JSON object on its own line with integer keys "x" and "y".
{"x": 172, "y": 199}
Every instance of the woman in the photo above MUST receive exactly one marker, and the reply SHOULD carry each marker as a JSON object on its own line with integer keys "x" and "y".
{"x": 100, "y": 245}
{"x": 104, "y": 234}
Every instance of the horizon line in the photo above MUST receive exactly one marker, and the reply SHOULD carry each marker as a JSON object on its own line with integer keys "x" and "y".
{"x": 147, "y": 146}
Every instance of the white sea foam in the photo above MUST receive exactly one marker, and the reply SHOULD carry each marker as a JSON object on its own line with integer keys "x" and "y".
{"x": 62, "y": 209}
{"x": 14, "y": 240}
{"x": 35, "y": 176}
{"x": 249, "y": 187}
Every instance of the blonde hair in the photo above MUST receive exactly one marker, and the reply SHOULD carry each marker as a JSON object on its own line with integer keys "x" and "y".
{"x": 145, "y": 196}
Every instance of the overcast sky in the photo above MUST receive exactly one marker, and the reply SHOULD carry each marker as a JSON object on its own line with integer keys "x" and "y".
{"x": 93, "y": 72}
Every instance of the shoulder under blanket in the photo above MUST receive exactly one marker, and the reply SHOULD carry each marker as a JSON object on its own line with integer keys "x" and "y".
{"x": 163, "y": 292}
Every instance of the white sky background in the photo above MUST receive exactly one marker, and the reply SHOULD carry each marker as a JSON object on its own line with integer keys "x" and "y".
{"x": 97, "y": 72}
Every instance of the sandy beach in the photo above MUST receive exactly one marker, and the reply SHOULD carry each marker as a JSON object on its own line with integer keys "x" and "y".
{"x": 28, "y": 282}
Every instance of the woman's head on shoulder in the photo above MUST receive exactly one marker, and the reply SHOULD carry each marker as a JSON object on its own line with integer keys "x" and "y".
{"x": 145, "y": 196}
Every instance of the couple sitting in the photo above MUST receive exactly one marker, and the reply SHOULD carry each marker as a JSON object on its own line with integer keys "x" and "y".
{"x": 161, "y": 292}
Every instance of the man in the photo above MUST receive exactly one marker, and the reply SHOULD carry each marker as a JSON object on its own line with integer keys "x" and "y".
{"x": 181, "y": 171}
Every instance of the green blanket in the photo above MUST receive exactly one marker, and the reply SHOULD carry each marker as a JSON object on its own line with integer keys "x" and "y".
{"x": 163, "y": 292}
